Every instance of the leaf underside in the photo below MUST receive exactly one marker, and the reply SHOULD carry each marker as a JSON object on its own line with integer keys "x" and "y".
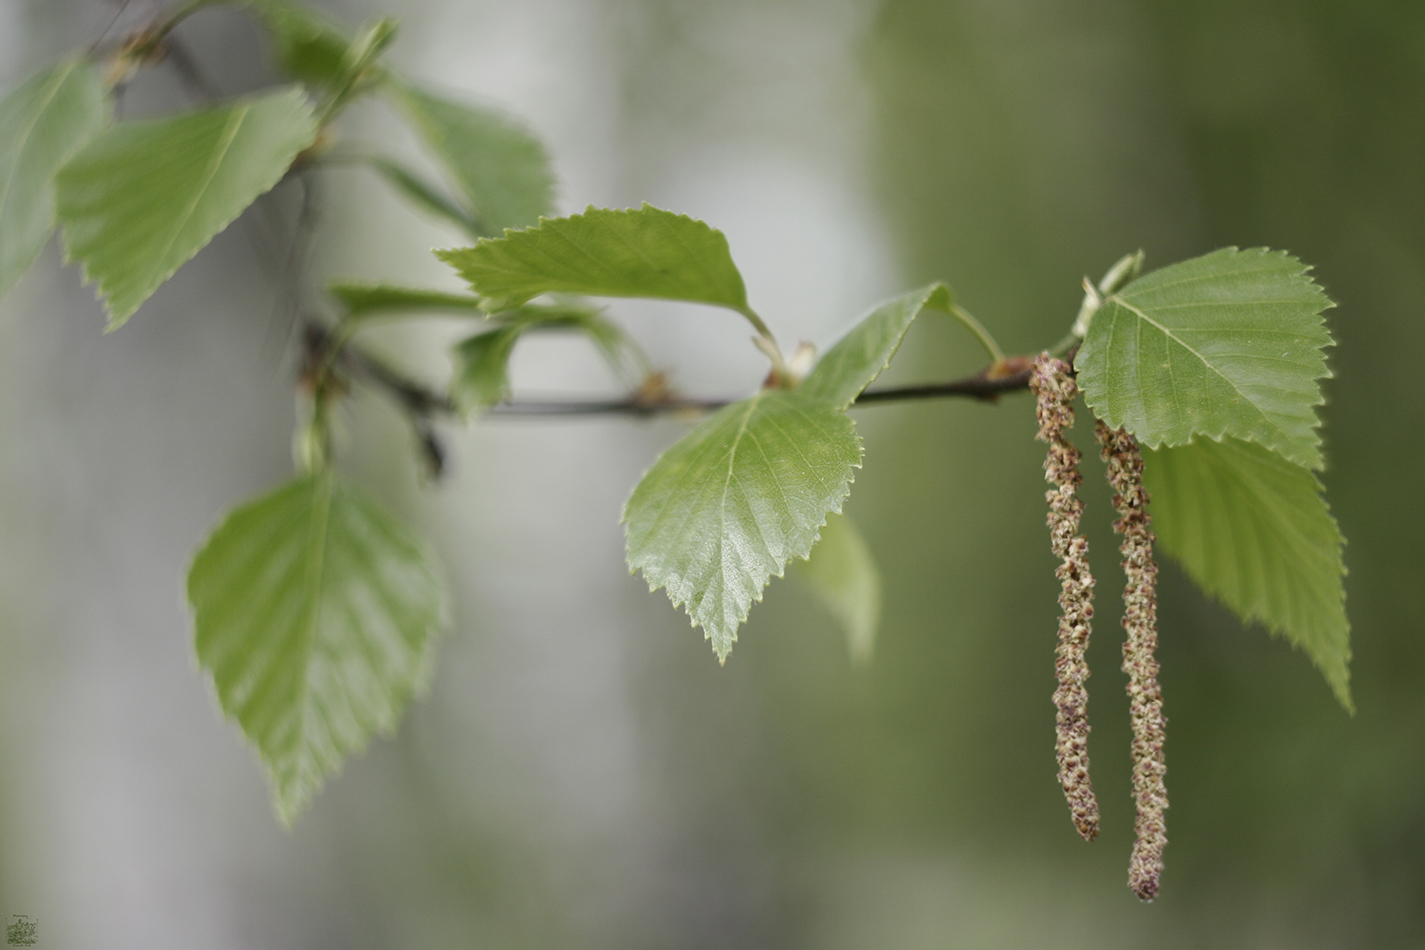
{"x": 367, "y": 300}
{"x": 501, "y": 169}
{"x": 726, "y": 507}
{"x": 316, "y": 614}
{"x": 141, "y": 199}
{"x": 605, "y": 253}
{"x": 1229, "y": 343}
{"x": 42, "y": 123}
{"x": 844, "y": 577}
{"x": 1252, "y": 530}
{"x": 482, "y": 361}
{"x": 306, "y": 46}
{"x": 423, "y": 194}
{"x": 855, "y": 361}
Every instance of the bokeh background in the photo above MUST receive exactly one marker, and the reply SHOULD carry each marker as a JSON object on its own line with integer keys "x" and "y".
{"x": 582, "y": 774}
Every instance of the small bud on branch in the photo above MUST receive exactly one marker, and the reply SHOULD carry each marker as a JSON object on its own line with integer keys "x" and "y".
{"x": 1054, "y": 391}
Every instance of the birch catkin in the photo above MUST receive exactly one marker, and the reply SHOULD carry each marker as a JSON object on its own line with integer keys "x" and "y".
{"x": 1140, "y": 620}
{"x": 1054, "y": 391}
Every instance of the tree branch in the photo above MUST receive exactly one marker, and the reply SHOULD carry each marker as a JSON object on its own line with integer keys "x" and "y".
{"x": 424, "y": 403}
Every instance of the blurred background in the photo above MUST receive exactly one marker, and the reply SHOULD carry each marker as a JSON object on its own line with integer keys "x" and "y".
{"x": 582, "y": 773}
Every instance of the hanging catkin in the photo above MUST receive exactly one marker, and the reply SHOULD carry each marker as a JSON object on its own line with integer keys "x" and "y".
{"x": 1054, "y": 391}
{"x": 1140, "y": 620}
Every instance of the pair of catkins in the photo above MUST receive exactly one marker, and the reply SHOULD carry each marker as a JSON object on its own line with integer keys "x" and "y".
{"x": 1054, "y": 388}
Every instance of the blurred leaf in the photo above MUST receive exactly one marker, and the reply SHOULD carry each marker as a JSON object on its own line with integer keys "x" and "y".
{"x": 1252, "y": 530}
{"x": 605, "y": 253}
{"x": 42, "y": 123}
{"x": 364, "y": 300}
{"x": 482, "y": 361}
{"x": 860, "y": 356}
{"x": 1229, "y": 343}
{"x": 425, "y": 195}
{"x": 144, "y": 197}
{"x": 308, "y": 48}
{"x": 843, "y": 575}
{"x": 316, "y": 614}
{"x": 482, "y": 368}
{"x": 728, "y": 505}
{"x": 499, "y": 166}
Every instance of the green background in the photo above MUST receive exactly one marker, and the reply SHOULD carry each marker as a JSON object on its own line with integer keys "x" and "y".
{"x": 583, "y": 774}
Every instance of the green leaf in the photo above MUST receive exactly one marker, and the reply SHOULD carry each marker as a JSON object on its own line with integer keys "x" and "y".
{"x": 316, "y": 614}
{"x": 860, "y": 356}
{"x": 423, "y": 194}
{"x": 843, "y": 575}
{"x": 482, "y": 368}
{"x": 307, "y": 47}
{"x": 727, "y": 506}
{"x": 605, "y": 253}
{"x": 144, "y": 197}
{"x": 499, "y": 166}
{"x": 482, "y": 361}
{"x": 42, "y": 123}
{"x": 1252, "y": 530}
{"x": 366, "y": 300}
{"x": 1225, "y": 344}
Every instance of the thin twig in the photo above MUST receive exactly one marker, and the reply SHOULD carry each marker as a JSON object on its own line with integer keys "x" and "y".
{"x": 420, "y": 400}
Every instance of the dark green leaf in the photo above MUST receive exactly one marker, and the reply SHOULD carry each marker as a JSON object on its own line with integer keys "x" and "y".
{"x": 1252, "y": 530}
{"x": 144, "y": 197}
{"x": 1225, "y": 344}
{"x": 726, "y": 507}
{"x": 499, "y": 166}
{"x": 605, "y": 253}
{"x": 860, "y": 356}
{"x": 42, "y": 123}
{"x": 316, "y": 614}
{"x": 365, "y": 300}
{"x": 425, "y": 195}
{"x": 844, "y": 577}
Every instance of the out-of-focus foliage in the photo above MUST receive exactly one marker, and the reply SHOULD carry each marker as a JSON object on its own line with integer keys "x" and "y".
{"x": 141, "y": 199}
{"x": 42, "y": 124}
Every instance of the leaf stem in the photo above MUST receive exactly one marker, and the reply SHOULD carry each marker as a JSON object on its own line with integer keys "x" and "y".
{"x": 986, "y": 339}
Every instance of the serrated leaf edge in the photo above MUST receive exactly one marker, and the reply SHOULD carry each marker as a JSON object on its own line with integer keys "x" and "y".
{"x": 116, "y": 318}
{"x": 1318, "y": 460}
{"x": 780, "y": 573}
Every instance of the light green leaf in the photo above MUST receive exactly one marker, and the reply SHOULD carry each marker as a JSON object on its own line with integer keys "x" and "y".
{"x": 316, "y": 614}
{"x": 423, "y": 194}
{"x": 144, "y": 197}
{"x": 1252, "y": 530}
{"x": 860, "y": 356}
{"x": 726, "y": 507}
{"x": 366, "y": 300}
{"x": 1229, "y": 343}
{"x": 42, "y": 123}
{"x": 844, "y": 577}
{"x": 307, "y": 47}
{"x": 482, "y": 361}
{"x": 605, "y": 253}
{"x": 499, "y": 166}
